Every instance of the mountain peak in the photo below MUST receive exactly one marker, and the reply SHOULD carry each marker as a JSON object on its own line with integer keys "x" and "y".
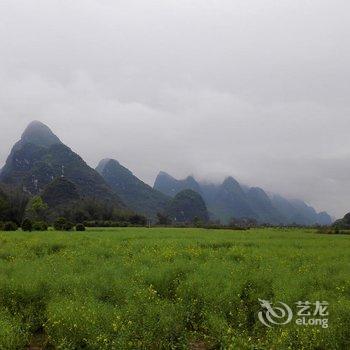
{"x": 165, "y": 174}
{"x": 230, "y": 181}
{"x": 190, "y": 178}
{"x": 39, "y": 134}
{"x": 258, "y": 191}
{"x": 104, "y": 162}
{"x": 112, "y": 166}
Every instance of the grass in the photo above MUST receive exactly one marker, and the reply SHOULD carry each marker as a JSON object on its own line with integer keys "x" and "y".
{"x": 134, "y": 288}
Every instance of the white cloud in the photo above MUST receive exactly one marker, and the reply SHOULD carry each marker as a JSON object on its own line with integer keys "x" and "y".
{"x": 258, "y": 90}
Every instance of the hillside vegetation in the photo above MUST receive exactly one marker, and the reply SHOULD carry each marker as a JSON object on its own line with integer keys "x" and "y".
{"x": 188, "y": 207}
{"x": 137, "y": 195}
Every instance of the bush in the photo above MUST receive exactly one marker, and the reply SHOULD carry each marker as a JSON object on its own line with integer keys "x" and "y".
{"x": 62, "y": 224}
{"x": 68, "y": 226}
{"x": 328, "y": 230}
{"x": 106, "y": 223}
{"x": 138, "y": 220}
{"x": 27, "y": 225}
{"x": 10, "y": 226}
{"x": 80, "y": 227}
{"x": 59, "y": 224}
{"x": 40, "y": 226}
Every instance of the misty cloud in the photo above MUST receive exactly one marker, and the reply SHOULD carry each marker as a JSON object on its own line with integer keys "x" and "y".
{"x": 254, "y": 89}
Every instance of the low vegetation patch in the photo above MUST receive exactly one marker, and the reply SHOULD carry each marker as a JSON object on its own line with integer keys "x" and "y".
{"x": 163, "y": 288}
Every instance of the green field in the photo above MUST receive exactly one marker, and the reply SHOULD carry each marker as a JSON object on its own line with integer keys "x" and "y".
{"x": 138, "y": 288}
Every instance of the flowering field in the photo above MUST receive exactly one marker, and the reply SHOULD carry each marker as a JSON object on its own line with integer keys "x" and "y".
{"x": 138, "y": 288}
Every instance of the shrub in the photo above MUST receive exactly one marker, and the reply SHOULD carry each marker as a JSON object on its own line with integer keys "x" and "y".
{"x": 10, "y": 226}
{"x": 138, "y": 220}
{"x": 40, "y": 226}
{"x": 88, "y": 223}
{"x": 27, "y": 225}
{"x": 68, "y": 226}
{"x": 80, "y": 227}
{"x": 106, "y": 223}
{"x": 59, "y": 224}
{"x": 62, "y": 224}
{"x": 328, "y": 230}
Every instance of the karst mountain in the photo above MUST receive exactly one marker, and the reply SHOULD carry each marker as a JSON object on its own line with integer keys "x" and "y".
{"x": 39, "y": 164}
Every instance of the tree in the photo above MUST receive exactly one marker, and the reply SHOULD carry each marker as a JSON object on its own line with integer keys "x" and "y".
{"x": 10, "y": 226}
{"x": 4, "y": 206}
{"x": 40, "y": 226}
{"x": 12, "y": 205}
{"x": 27, "y": 225}
{"x": 138, "y": 220}
{"x": 197, "y": 222}
{"x": 80, "y": 216}
{"x": 62, "y": 224}
{"x": 37, "y": 209}
{"x": 163, "y": 220}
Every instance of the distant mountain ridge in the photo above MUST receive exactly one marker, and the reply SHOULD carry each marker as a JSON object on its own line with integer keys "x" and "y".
{"x": 170, "y": 186}
{"x": 264, "y": 207}
{"x": 137, "y": 195}
{"x": 231, "y": 200}
{"x": 40, "y": 164}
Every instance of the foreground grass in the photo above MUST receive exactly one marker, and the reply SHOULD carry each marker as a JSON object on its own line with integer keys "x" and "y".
{"x": 133, "y": 288}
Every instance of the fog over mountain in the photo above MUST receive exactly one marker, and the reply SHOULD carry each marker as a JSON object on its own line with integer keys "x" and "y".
{"x": 230, "y": 200}
{"x": 258, "y": 90}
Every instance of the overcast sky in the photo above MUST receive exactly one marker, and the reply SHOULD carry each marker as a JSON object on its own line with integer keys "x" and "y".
{"x": 257, "y": 89}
